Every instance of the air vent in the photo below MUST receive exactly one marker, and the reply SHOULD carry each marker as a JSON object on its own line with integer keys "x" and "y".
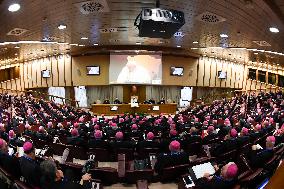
{"x": 262, "y": 43}
{"x": 210, "y": 18}
{"x": 50, "y": 38}
{"x": 114, "y": 40}
{"x": 17, "y": 31}
{"x": 89, "y": 7}
{"x": 108, "y": 30}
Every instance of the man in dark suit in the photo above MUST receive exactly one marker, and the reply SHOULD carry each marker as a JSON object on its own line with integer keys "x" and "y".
{"x": 175, "y": 157}
{"x": 75, "y": 139}
{"x": 229, "y": 143}
{"x": 29, "y": 166}
{"x": 211, "y": 135}
{"x": 116, "y": 101}
{"x": 259, "y": 157}
{"x": 106, "y": 101}
{"x": 226, "y": 178}
{"x": 243, "y": 138}
{"x": 98, "y": 141}
{"x": 7, "y": 162}
{"x": 257, "y": 133}
{"x": 120, "y": 143}
{"x": 52, "y": 177}
{"x": 148, "y": 143}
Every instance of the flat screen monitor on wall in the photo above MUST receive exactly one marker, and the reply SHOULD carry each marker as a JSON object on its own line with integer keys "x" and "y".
{"x": 222, "y": 75}
{"x": 135, "y": 69}
{"x": 45, "y": 73}
{"x": 177, "y": 71}
{"x": 93, "y": 70}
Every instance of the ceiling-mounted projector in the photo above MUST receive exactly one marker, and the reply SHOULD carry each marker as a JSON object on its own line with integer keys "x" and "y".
{"x": 159, "y": 23}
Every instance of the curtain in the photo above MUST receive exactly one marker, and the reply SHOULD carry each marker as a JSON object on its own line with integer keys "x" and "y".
{"x": 100, "y": 93}
{"x": 57, "y": 91}
{"x": 81, "y": 96}
{"x": 169, "y": 93}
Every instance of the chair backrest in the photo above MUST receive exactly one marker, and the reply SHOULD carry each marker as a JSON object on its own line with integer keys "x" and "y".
{"x": 245, "y": 149}
{"x": 280, "y": 151}
{"x": 129, "y": 153}
{"x": 144, "y": 153}
{"x": 171, "y": 173}
{"x": 228, "y": 156}
{"x": 101, "y": 154}
{"x": 78, "y": 153}
{"x": 132, "y": 176}
{"x": 107, "y": 175}
{"x": 193, "y": 148}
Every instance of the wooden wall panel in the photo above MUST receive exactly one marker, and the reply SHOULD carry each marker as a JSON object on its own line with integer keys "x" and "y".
{"x": 190, "y": 70}
{"x": 214, "y": 73}
{"x": 207, "y": 71}
{"x": 61, "y": 71}
{"x": 54, "y": 62}
{"x": 75, "y": 70}
{"x": 79, "y": 71}
{"x": 127, "y": 93}
{"x": 201, "y": 72}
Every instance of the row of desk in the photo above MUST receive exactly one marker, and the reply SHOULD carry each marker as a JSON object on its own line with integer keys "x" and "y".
{"x": 114, "y": 109}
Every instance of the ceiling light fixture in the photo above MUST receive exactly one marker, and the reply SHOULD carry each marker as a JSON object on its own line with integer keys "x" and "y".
{"x": 195, "y": 42}
{"x": 96, "y": 44}
{"x": 138, "y": 43}
{"x": 84, "y": 38}
{"x": 223, "y": 35}
{"x": 17, "y": 47}
{"x": 273, "y": 30}
{"x": 14, "y": 7}
{"x": 62, "y": 27}
{"x": 73, "y": 44}
{"x": 178, "y": 46}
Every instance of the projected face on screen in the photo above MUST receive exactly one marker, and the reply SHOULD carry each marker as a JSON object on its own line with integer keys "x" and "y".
{"x": 144, "y": 69}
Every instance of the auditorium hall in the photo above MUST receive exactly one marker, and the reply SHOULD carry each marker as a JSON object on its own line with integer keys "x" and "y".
{"x": 141, "y": 94}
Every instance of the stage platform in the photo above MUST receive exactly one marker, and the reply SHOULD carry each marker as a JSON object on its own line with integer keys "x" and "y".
{"x": 115, "y": 109}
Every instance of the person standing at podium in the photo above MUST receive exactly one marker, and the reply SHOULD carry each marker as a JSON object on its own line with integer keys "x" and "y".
{"x": 134, "y": 102}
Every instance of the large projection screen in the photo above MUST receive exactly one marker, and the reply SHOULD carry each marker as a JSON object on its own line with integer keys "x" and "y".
{"x": 135, "y": 69}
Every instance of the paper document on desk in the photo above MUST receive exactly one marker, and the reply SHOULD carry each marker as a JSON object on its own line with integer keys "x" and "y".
{"x": 200, "y": 170}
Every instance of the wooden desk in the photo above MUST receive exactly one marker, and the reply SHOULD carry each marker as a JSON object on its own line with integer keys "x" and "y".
{"x": 276, "y": 181}
{"x": 126, "y": 108}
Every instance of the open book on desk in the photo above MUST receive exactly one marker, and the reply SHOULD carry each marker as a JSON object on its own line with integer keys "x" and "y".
{"x": 200, "y": 170}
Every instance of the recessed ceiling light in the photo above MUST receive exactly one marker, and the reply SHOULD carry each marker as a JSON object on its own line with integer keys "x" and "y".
{"x": 62, "y": 27}
{"x": 73, "y": 44}
{"x": 81, "y": 45}
{"x": 194, "y": 48}
{"x": 178, "y": 46}
{"x": 195, "y": 42}
{"x": 273, "y": 30}
{"x": 255, "y": 53}
{"x": 84, "y": 38}
{"x": 138, "y": 43}
{"x": 96, "y": 44}
{"x": 17, "y": 47}
{"x": 224, "y": 35}
{"x": 14, "y": 7}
